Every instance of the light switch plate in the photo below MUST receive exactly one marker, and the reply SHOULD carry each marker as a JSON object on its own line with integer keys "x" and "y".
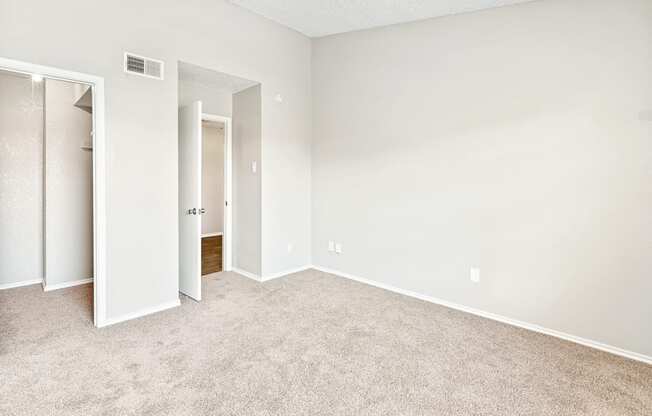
{"x": 475, "y": 274}
{"x": 338, "y": 248}
{"x": 331, "y": 246}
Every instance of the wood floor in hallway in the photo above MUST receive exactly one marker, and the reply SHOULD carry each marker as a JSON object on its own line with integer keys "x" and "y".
{"x": 211, "y": 254}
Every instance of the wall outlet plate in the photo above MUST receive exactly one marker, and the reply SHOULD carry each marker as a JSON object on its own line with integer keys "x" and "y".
{"x": 331, "y": 246}
{"x": 338, "y": 248}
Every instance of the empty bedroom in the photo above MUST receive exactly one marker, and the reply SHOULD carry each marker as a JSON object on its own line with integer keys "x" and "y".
{"x": 325, "y": 207}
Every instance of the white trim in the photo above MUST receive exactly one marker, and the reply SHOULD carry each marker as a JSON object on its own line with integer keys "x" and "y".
{"x": 272, "y": 276}
{"x": 525, "y": 325}
{"x": 99, "y": 169}
{"x": 211, "y": 235}
{"x": 141, "y": 313}
{"x": 21, "y": 284}
{"x": 285, "y": 273}
{"x": 245, "y": 273}
{"x": 56, "y": 286}
{"x": 227, "y": 241}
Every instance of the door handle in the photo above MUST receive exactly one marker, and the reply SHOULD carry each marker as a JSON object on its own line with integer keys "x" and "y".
{"x": 192, "y": 211}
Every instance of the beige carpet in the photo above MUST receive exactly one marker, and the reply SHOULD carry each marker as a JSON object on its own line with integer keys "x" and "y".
{"x": 306, "y": 344}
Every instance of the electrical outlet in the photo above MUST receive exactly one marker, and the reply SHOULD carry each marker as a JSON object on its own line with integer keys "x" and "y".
{"x": 475, "y": 274}
{"x": 290, "y": 248}
{"x": 331, "y": 246}
{"x": 338, "y": 248}
{"x": 254, "y": 166}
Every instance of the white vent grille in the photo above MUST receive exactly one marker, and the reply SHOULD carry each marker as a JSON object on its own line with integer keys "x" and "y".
{"x": 140, "y": 65}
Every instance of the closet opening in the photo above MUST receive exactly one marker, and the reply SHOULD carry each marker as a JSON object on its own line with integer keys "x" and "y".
{"x": 47, "y": 196}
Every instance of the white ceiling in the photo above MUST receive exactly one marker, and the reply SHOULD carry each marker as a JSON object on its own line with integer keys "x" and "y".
{"x": 317, "y": 18}
{"x": 214, "y": 79}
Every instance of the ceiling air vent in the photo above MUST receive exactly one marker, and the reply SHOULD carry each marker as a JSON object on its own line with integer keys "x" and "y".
{"x": 146, "y": 67}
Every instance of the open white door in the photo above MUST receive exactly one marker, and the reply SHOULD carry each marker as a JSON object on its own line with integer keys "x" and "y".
{"x": 190, "y": 200}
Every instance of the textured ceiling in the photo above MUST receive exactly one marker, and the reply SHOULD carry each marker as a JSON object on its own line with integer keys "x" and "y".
{"x": 316, "y": 18}
{"x": 209, "y": 78}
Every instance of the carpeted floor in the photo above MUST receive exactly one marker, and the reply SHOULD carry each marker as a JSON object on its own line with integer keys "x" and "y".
{"x": 307, "y": 344}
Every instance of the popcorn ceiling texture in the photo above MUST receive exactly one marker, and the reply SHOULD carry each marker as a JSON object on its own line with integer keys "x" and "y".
{"x": 306, "y": 344}
{"x": 317, "y": 18}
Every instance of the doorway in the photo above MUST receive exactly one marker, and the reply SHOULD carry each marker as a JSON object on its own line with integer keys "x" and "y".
{"x": 214, "y": 187}
{"x": 205, "y": 223}
{"x": 55, "y": 125}
{"x": 212, "y": 98}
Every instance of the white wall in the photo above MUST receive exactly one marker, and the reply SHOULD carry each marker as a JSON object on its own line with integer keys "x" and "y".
{"x": 21, "y": 179}
{"x": 247, "y": 183}
{"x": 514, "y": 140}
{"x": 286, "y": 174}
{"x": 68, "y": 186}
{"x": 141, "y": 119}
{"x": 214, "y": 101}
{"x": 212, "y": 181}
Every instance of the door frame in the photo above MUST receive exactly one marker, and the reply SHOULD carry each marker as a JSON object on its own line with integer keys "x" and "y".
{"x": 227, "y": 236}
{"x": 99, "y": 170}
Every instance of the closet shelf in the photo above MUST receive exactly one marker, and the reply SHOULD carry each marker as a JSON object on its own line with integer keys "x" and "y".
{"x": 85, "y": 102}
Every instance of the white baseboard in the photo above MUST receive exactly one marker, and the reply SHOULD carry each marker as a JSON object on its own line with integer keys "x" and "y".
{"x": 56, "y": 286}
{"x": 525, "y": 325}
{"x": 285, "y": 273}
{"x": 211, "y": 235}
{"x": 245, "y": 273}
{"x": 270, "y": 276}
{"x": 140, "y": 313}
{"x": 21, "y": 284}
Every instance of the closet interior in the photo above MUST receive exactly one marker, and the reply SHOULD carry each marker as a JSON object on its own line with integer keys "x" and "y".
{"x": 46, "y": 183}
